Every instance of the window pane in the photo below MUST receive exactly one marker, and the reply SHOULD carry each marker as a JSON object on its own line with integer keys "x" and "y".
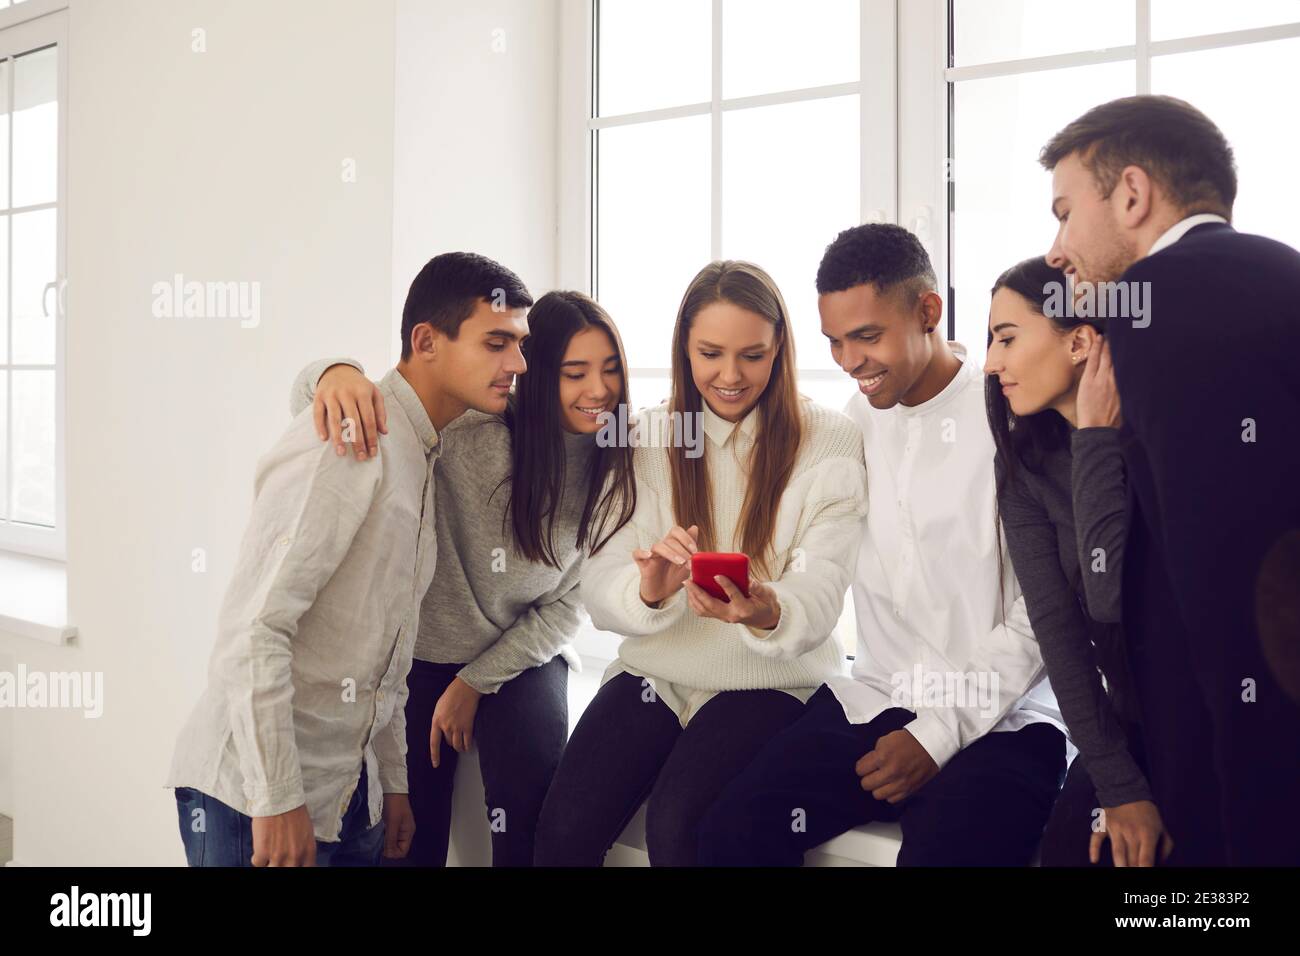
{"x": 653, "y": 228}
{"x": 4, "y": 444}
{"x": 771, "y": 45}
{"x": 1187, "y": 18}
{"x": 36, "y": 127}
{"x": 6, "y": 75}
{"x": 33, "y": 447}
{"x": 831, "y": 392}
{"x": 4, "y": 288}
{"x": 649, "y": 390}
{"x": 1001, "y": 194}
{"x": 783, "y": 201}
{"x": 1265, "y": 149}
{"x": 34, "y": 265}
{"x": 654, "y": 55}
{"x": 986, "y": 31}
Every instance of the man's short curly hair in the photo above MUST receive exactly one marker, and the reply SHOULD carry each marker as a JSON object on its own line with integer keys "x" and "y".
{"x": 884, "y": 255}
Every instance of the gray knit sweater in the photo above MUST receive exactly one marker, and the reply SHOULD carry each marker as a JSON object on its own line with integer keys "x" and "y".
{"x": 1065, "y": 531}
{"x": 488, "y": 607}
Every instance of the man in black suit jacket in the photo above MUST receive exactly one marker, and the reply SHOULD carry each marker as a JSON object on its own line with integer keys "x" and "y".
{"x": 1208, "y": 373}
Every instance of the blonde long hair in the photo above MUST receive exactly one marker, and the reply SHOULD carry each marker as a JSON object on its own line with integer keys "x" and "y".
{"x": 780, "y": 424}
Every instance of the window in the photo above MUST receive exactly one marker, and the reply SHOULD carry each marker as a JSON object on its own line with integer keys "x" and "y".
{"x": 732, "y": 129}
{"x": 31, "y": 290}
{"x": 701, "y": 129}
{"x": 1019, "y": 70}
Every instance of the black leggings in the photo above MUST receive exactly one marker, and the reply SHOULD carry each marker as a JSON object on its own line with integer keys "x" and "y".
{"x": 629, "y": 744}
{"x": 519, "y": 732}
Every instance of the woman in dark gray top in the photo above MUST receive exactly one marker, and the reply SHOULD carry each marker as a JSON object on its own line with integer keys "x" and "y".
{"x": 1054, "y": 413}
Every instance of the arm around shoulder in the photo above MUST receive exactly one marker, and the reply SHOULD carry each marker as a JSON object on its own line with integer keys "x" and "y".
{"x": 303, "y": 390}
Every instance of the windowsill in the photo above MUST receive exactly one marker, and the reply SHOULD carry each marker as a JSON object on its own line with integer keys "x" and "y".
{"x": 34, "y": 598}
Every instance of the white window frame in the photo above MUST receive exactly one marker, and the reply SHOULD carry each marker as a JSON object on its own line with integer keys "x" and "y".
{"x": 905, "y": 85}
{"x": 875, "y": 87}
{"x": 29, "y": 26}
{"x": 927, "y": 78}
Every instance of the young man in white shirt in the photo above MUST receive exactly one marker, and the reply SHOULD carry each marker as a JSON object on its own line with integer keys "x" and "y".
{"x": 947, "y": 723}
{"x": 300, "y": 734}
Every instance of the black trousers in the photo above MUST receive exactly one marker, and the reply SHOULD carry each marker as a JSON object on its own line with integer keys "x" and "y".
{"x": 629, "y": 745}
{"x": 1223, "y": 761}
{"x": 986, "y": 807}
{"x": 1069, "y": 828}
{"x": 519, "y": 732}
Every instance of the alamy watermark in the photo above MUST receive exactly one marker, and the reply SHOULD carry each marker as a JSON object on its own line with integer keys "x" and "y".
{"x": 179, "y": 299}
{"x": 965, "y": 689}
{"x": 69, "y": 690}
{"x": 1099, "y": 300}
{"x": 75, "y": 908}
{"x": 654, "y": 428}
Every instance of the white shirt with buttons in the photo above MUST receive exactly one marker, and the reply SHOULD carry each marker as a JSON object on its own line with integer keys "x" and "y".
{"x": 925, "y": 592}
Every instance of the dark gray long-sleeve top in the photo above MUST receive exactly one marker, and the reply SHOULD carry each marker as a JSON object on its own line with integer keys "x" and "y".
{"x": 1065, "y": 531}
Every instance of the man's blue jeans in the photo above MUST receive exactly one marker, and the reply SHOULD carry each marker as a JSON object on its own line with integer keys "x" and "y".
{"x": 222, "y": 836}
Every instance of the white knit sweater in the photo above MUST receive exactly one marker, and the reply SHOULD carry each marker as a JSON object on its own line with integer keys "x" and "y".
{"x": 687, "y": 658}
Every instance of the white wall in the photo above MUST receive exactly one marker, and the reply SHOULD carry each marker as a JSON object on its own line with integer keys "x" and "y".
{"x": 475, "y": 158}
{"x": 223, "y": 165}
{"x": 6, "y": 747}
{"x": 227, "y": 165}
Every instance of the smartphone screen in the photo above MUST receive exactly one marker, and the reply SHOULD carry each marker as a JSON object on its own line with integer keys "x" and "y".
{"x": 706, "y": 564}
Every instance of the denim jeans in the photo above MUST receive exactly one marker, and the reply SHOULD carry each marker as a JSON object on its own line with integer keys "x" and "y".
{"x": 222, "y": 836}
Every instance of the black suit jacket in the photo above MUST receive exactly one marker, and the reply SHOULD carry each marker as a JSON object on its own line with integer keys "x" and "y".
{"x": 1210, "y": 391}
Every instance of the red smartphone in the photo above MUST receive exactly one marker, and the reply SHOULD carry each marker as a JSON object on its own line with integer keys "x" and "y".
{"x": 705, "y": 564}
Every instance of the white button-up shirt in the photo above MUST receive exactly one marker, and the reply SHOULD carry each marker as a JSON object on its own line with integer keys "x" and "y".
{"x": 926, "y": 587}
{"x": 308, "y": 675}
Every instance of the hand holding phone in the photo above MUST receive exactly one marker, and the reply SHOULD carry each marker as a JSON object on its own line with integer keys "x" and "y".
{"x": 737, "y": 600}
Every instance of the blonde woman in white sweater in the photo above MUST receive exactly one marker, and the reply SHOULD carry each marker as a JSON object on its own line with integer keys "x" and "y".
{"x": 701, "y": 684}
